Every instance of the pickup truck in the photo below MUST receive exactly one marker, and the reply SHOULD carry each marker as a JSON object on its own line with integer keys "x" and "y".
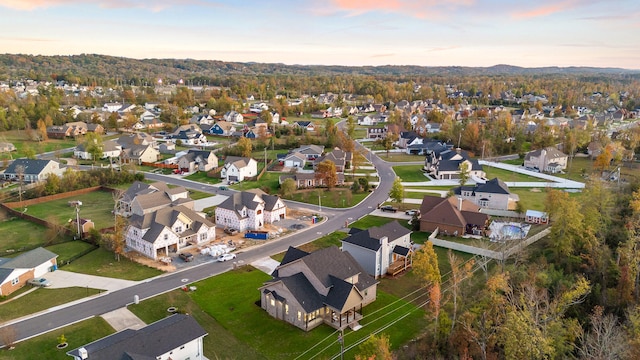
{"x": 388, "y": 208}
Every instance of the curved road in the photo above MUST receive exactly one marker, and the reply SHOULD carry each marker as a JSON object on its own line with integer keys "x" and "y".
{"x": 68, "y": 314}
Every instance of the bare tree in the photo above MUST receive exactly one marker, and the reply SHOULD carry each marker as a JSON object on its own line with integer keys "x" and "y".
{"x": 606, "y": 339}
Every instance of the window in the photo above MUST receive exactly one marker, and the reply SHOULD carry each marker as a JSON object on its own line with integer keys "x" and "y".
{"x": 166, "y": 236}
{"x": 203, "y": 236}
{"x": 273, "y": 302}
{"x": 286, "y": 309}
{"x": 15, "y": 281}
{"x": 299, "y": 315}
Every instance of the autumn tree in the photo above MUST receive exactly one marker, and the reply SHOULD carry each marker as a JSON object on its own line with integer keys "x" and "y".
{"x": 397, "y": 191}
{"x": 326, "y": 173}
{"x": 93, "y": 145}
{"x": 603, "y": 161}
{"x": 387, "y": 141}
{"x": 288, "y": 187}
{"x": 376, "y": 347}
{"x": 425, "y": 266}
{"x": 465, "y": 170}
{"x": 42, "y": 131}
{"x": 606, "y": 338}
{"x": 459, "y": 272}
{"x": 567, "y": 219}
{"x": 244, "y": 147}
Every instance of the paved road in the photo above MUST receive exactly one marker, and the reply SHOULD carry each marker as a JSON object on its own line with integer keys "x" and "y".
{"x": 59, "y": 317}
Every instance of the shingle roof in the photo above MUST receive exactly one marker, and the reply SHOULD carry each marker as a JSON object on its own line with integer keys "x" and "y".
{"x": 303, "y": 291}
{"x": 30, "y": 259}
{"x": 29, "y": 166}
{"x": 147, "y": 343}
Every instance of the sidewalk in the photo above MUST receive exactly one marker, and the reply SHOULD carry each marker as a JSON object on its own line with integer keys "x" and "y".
{"x": 63, "y": 279}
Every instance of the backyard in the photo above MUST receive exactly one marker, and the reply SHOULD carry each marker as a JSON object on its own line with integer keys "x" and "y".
{"x": 411, "y": 173}
{"x": 20, "y": 234}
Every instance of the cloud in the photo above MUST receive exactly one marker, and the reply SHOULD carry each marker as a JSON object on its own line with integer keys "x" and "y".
{"x": 548, "y": 7}
{"x": 382, "y": 55}
{"x": 414, "y": 8}
{"x": 153, "y": 5}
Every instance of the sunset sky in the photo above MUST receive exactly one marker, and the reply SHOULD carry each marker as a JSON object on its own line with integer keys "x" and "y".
{"x": 332, "y": 32}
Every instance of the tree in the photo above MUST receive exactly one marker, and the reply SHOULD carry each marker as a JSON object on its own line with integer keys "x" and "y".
{"x": 351, "y": 127}
{"x": 605, "y": 340}
{"x": 244, "y": 147}
{"x": 288, "y": 187}
{"x": 93, "y": 145}
{"x": 425, "y": 264}
{"x": 397, "y": 191}
{"x": 603, "y": 161}
{"x": 42, "y": 130}
{"x": 464, "y": 169}
{"x": 376, "y": 347}
{"x": 326, "y": 172}
{"x": 388, "y": 141}
{"x": 459, "y": 272}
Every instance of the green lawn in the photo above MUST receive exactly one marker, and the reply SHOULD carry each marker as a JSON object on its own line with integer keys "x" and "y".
{"x": 195, "y": 194}
{"x": 371, "y": 221}
{"x": 506, "y": 175}
{"x": 102, "y": 263}
{"x": 230, "y": 299}
{"x": 335, "y": 198}
{"x": 324, "y": 242}
{"x": 398, "y": 157}
{"x": 419, "y": 195}
{"x": 531, "y": 198}
{"x": 42, "y": 299}
{"x": 219, "y": 344}
{"x": 96, "y": 205}
{"x": 202, "y": 177}
{"x": 69, "y": 249}
{"x": 44, "y": 346}
{"x": 411, "y": 173}
{"x": 20, "y": 140}
{"x": 18, "y": 233}
{"x": 268, "y": 180}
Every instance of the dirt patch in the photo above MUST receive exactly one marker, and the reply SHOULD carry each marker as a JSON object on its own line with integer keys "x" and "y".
{"x": 141, "y": 259}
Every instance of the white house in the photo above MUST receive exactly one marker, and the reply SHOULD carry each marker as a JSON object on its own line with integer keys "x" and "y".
{"x": 110, "y": 149}
{"x": 548, "y": 159}
{"x": 178, "y": 336}
{"x": 31, "y": 170}
{"x": 238, "y": 168}
{"x": 168, "y": 229}
{"x": 250, "y": 210}
{"x": 378, "y": 248}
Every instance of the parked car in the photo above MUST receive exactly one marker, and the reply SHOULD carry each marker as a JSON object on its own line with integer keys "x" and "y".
{"x": 186, "y": 256}
{"x": 40, "y": 282}
{"x": 226, "y": 257}
{"x": 412, "y": 212}
{"x": 230, "y": 231}
{"x": 388, "y": 208}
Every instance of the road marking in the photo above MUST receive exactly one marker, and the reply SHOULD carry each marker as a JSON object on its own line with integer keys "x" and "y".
{"x": 185, "y": 280}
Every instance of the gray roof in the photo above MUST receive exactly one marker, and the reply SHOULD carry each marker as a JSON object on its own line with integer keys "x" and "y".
{"x": 303, "y": 291}
{"x": 493, "y": 186}
{"x": 370, "y": 238}
{"x": 30, "y": 166}
{"x": 238, "y": 200}
{"x": 30, "y": 259}
{"x": 147, "y": 343}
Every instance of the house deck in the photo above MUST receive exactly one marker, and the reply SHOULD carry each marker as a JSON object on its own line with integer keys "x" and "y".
{"x": 341, "y": 322}
{"x": 398, "y": 266}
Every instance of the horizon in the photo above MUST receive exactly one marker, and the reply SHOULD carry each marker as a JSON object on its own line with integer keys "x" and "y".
{"x": 353, "y": 33}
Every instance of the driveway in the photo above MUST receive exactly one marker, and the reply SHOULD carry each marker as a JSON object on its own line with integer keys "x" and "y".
{"x": 63, "y": 279}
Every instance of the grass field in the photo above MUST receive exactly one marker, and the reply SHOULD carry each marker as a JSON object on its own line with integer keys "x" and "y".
{"x": 44, "y": 346}
{"x": 336, "y": 198}
{"x": 326, "y": 241}
{"x": 96, "y": 205}
{"x": 21, "y": 234}
{"x": 399, "y": 157}
{"x": 42, "y": 299}
{"x": 102, "y": 263}
{"x": 201, "y": 176}
{"x": 508, "y": 176}
{"x": 19, "y": 138}
{"x": 410, "y": 173}
{"x": 69, "y": 250}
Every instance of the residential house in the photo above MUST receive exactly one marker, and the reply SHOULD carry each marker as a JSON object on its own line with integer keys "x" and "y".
{"x": 452, "y": 216}
{"x": 493, "y": 194}
{"x": 71, "y": 129}
{"x": 327, "y": 286}
{"x": 167, "y": 148}
{"x": 306, "y": 125}
{"x": 189, "y": 134}
{"x": 250, "y": 210}
{"x": 376, "y": 132}
{"x": 136, "y": 138}
{"x": 202, "y": 119}
{"x": 294, "y": 160}
{"x": 31, "y": 170}
{"x": 168, "y": 229}
{"x": 16, "y": 272}
{"x": 446, "y": 165}
{"x": 7, "y": 147}
{"x": 594, "y": 149}
{"x": 176, "y": 337}
{"x": 380, "y": 248}
{"x": 110, "y": 149}
{"x": 238, "y": 168}
{"x": 342, "y": 159}
{"x": 233, "y": 117}
{"x": 138, "y": 154}
{"x": 141, "y": 198}
{"x": 222, "y": 128}
{"x": 311, "y": 152}
{"x": 309, "y": 180}
{"x": 198, "y": 160}
{"x": 548, "y": 159}
{"x": 95, "y": 128}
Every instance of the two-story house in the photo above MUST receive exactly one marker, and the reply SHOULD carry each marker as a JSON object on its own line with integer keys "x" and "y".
{"x": 549, "y": 160}
{"x": 237, "y": 169}
{"x": 250, "y": 210}
{"x": 200, "y": 160}
{"x": 142, "y": 198}
{"x": 327, "y": 286}
{"x": 493, "y": 194}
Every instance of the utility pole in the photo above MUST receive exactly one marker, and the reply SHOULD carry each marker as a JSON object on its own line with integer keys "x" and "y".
{"x": 319, "y": 203}
{"x": 78, "y": 219}
{"x": 341, "y": 341}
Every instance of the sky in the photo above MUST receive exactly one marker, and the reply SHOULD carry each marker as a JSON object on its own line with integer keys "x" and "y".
{"x": 599, "y": 33}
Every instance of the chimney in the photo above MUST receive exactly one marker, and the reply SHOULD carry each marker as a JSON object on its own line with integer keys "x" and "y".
{"x": 460, "y": 203}
{"x": 458, "y": 150}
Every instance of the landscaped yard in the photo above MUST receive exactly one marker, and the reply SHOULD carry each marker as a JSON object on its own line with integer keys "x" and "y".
{"x": 328, "y": 240}
{"x": 201, "y": 176}
{"x": 335, "y": 198}
{"x": 268, "y": 180}
{"x": 231, "y": 298}
{"x": 96, "y": 205}
{"x": 102, "y": 263}
{"x": 411, "y": 173}
{"x": 18, "y": 233}
{"x": 44, "y": 346}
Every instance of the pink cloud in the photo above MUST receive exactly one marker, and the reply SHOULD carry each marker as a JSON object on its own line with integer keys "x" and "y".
{"x": 154, "y": 5}
{"x": 546, "y": 9}
{"x": 415, "y": 8}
